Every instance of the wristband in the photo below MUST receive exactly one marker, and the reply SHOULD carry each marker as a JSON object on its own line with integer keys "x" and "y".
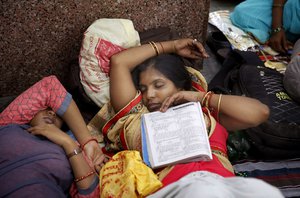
{"x": 75, "y": 152}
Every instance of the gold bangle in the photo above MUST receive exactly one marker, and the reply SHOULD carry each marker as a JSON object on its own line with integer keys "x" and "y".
{"x": 219, "y": 105}
{"x": 158, "y": 52}
{"x": 204, "y": 99}
{"x": 74, "y": 152}
{"x": 83, "y": 177}
{"x": 174, "y": 47}
{"x": 154, "y": 46}
{"x": 162, "y": 47}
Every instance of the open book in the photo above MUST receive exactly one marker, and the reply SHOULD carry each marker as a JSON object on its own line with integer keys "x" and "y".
{"x": 178, "y": 135}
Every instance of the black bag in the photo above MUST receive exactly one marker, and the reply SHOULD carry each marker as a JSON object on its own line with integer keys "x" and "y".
{"x": 279, "y": 137}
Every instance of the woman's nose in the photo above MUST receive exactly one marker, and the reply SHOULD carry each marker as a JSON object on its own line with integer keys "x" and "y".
{"x": 51, "y": 113}
{"x": 150, "y": 94}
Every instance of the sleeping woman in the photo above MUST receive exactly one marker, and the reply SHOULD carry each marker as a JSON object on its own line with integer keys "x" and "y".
{"x": 152, "y": 77}
{"x": 38, "y": 159}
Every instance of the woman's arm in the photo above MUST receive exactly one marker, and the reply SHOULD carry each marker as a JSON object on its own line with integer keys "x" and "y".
{"x": 81, "y": 169}
{"x": 277, "y": 38}
{"x": 122, "y": 89}
{"x": 76, "y": 123}
{"x": 239, "y": 112}
{"x": 49, "y": 92}
{"x": 235, "y": 112}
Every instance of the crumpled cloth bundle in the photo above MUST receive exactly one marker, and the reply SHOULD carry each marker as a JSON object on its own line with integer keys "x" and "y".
{"x": 125, "y": 175}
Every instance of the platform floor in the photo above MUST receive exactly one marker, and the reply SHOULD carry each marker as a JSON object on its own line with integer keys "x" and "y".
{"x": 211, "y": 65}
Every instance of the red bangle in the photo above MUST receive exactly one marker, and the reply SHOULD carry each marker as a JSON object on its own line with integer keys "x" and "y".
{"x": 209, "y": 100}
{"x": 89, "y": 140}
{"x": 83, "y": 177}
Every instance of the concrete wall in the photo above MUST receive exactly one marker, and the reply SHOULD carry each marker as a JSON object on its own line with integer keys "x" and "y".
{"x": 41, "y": 37}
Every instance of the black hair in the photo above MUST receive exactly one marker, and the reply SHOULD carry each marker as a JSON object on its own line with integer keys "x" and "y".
{"x": 170, "y": 65}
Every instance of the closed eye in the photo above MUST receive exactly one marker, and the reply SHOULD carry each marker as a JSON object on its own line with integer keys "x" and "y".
{"x": 158, "y": 85}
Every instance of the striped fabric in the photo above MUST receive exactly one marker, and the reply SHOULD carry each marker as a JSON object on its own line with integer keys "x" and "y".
{"x": 284, "y": 174}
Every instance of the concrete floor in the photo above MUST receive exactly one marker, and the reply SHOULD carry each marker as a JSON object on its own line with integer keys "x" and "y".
{"x": 211, "y": 65}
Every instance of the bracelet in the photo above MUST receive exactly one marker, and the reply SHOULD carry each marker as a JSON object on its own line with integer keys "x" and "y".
{"x": 275, "y": 30}
{"x": 84, "y": 177}
{"x": 162, "y": 47}
{"x": 219, "y": 105}
{"x": 74, "y": 152}
{"x": 154, "y": 46}
{"x": 89, "y": 140}
{"x": 174, "y": 47}
{"x": 277, "y": 5}
{"x": 204, "y": 99}
{"x": 209, "y": 99}
{"x": 157, "y": 50}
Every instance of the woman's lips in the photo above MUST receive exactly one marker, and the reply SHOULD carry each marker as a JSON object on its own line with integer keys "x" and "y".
{"x": 154, "y": 106}
{"x": 48, "y": 120}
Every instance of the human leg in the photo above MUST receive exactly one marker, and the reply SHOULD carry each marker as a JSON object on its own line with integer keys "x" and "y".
{"x": 206, "y": 184}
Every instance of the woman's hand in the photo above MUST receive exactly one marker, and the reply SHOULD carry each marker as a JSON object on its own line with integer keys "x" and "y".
{"x": 51, "y": 132}
{"x": 95, "y": 154}
{"x": 278, "y": 42}
{"x": 190, "y": 48}
{"x": 181, "y": 97}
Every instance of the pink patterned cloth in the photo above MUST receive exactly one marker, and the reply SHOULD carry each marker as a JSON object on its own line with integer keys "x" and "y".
{"x": 104, "y": 51}
{"x": 103, "y": 38}
{"x": 48, "y": 92}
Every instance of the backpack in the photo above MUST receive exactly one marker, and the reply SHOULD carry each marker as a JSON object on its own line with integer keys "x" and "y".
{"x": 279, "y": 136}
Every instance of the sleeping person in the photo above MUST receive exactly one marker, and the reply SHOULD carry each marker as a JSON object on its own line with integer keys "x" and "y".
{"x": 38, "y": 159}
{"x": 153, "y": 77}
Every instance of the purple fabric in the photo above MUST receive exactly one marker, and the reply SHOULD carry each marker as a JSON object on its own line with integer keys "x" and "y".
{"x": 32, "y": 166}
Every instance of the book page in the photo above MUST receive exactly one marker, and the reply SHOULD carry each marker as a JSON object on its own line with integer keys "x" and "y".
{"x": 180, "y": 133}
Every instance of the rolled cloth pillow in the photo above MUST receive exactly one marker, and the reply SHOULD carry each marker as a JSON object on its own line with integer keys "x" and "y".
{"x": 104, "y": 38}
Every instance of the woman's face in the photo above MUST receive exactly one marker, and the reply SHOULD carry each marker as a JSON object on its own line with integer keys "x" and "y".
{"x": 46, "y": 116}
{"x": 155, "y": 88}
